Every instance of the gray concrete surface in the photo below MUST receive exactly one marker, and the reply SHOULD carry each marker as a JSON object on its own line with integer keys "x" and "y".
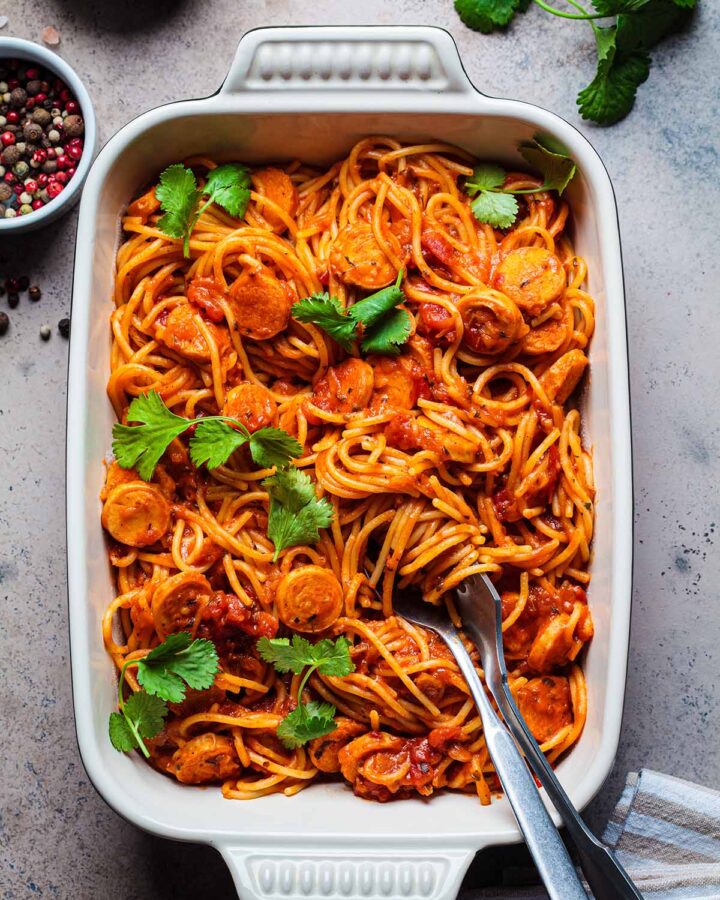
{"x": 57, "y": 838}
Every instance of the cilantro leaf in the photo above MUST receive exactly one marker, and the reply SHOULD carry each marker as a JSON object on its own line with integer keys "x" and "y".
{"x": 286, "y": 655}
{"x": 310, "y": 720}
{"x": 214, "y": 441}
{"x": 496, "y": 208}
{"x": 145, "y": 713}
{"x": 327, "y": 313}
{"x": 294, "y": 529}
{"x": 487, "y": 15}
{"x": 611, "y": 94}
{"x": 121, "y": 735}
{"x": 389, "y": 334}
{"x": 296, "y": 515}
{"x": 178, "y": 659}
{"x": 550, "y": 158}
{"x": 142, "y": 446}
{"x": 228, "y": 185}
{"x": 371, "y": 310}
{"x": 178, "y": 196}
{"x": 327, "y": 656}
{"x": 215, "y": 438}
{"x": 273, "y": 447}
{"x": 485, "y": 177}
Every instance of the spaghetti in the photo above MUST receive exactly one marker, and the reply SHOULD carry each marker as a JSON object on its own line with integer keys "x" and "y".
{"x": 460, "y": 455}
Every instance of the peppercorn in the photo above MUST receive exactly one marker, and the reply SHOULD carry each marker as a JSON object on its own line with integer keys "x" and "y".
{"x": 41, "y": 117}
{"x": 45, "y": 332}
{"x": 23, "y": 282}
{"x": 13, "y": 300}
{"x": 33, "y": 87}
{"x": 32, "y": 132}
{"x": 74, "y": 126}
{"x": 13, "y": 285}
{"x": 10, "y": 155}
{"x": 4, "y": 323}
{"x": 35, "y": 293}
{"x": 5, "y": 192}
{"x": 18, "y": 96}
{"x": 64, "y": 327}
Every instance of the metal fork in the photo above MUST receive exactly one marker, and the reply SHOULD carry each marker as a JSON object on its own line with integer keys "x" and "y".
{"x": 541, "y": 835}
{"x": 480, "y": 608}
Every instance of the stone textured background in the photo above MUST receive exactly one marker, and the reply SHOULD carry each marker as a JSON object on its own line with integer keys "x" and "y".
{"x": 57, "y": 838}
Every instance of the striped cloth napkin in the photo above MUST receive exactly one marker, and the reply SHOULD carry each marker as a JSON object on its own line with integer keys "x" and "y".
{"x": 665, "y": 831}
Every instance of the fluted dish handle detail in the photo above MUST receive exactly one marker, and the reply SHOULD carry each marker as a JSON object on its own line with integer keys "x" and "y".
{"x": 393, "y": 58}
{"x": 402, "y": 873}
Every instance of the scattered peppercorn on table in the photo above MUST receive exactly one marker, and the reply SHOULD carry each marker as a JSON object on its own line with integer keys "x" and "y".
{"x": 59, "y": 838}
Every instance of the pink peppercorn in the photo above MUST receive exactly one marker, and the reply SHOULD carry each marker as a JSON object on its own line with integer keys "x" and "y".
{"x": 9, "y": 178}
{"x": 51, "y": 153}
{"x": 30, "y": 103}
{"x": 62, "y": 177}
{"x": 39, "y": 156}
{"x": 70, "y": 171}
{"x": 54, "y": 189}
{"x": 7, "y": 138}
{"x": 31, "y": 186}
{"x": 18, "y": 188}
{"x": 37, "y": 204}
{"x": 42, "y": 180}
{"x": 72, "y": 107}
{"x": 12, "y": 84}
{"x": 13, "y": 117}
{"x": 62, "y": 161}
{"x": 74, "y": 151}
{"x": 41, "y": 97}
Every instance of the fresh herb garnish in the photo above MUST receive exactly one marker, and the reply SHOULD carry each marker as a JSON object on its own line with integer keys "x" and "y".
{"x": 215, "y": 439}
{"x": 382, "y": 327}
{"x": 296, "y": 514}
{"x": 163, "y": 674}
{"x": 495, "y": 204}
{"x": 227, "y": 185}
{"x": 313, "y": 719}
{"x": 623, "y": 61}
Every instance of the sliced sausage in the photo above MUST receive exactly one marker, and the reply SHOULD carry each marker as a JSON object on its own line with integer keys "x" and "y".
{"x": 175, "y": 601}
{"x": 324, "y": 750}
{"x": 346, "y": 388}
{"x": 545, "y": 338}
{"x": 205, "y": 758}
{"x": 545, "y": 705}
{"x": 251, "y": 404}
{"x": 358, "y": 259}
{"x": 309, "y": 599}
{"x": 136, "y": 513}
{"x": 561, "y": 379}
{"x": 532, "y": 277}
{"x": 277, "y": 186}
{"x": 181, "y": 332}
{"x": 261, "y": 304}
{"x": 492, "y": 323}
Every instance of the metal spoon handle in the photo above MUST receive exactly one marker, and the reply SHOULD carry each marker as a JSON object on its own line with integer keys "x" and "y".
{"x": 541, "y": 835}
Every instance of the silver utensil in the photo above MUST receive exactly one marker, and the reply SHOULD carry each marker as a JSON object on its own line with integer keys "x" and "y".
{"x": 480, "y": 608}
{"x": 541, "y": 835}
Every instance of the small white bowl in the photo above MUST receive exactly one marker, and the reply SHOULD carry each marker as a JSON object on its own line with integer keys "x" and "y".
{"x": 16, "y": 48}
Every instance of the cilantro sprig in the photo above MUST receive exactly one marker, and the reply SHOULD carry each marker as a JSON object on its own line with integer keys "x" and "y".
{"x": 227, "y": 185}
{"x": 313, "y": 719}
{"x": 382, "y": 327}
{"x": 163, "y": 675}
{"x": 296, "y": 514}
{"x": 623, "y": 60}
{"x": 495, "y": 204}
{"x": 215, "y": 439}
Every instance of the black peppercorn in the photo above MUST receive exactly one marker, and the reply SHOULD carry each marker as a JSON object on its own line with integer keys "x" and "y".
{"x": 35, "y": 292}
{"x": 23, "y": 282}
{"x": 33, "y": 87}
{"x": 18, "y": 96}
{"x": 10, "y": 155}
{"x": 13, "y": 299}
{"x": 4, "y": 322}
{"x": 32, "y": 132}
{"x": 64, "y": 327}
{"x": 41, "y": 116}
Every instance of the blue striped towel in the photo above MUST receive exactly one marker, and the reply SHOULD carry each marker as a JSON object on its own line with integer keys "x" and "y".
{"x": 665, "y": 831}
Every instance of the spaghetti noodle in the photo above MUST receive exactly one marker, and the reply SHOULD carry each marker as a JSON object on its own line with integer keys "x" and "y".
{"x": 460, "y": 455}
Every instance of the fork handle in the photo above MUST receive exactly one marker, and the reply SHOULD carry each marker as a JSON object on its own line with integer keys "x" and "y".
{"x": 541, "y": 835}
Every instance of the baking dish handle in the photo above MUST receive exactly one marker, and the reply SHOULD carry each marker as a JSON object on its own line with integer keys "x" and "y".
{"x": 274, "y": 871}
{"x": 348, "y": 58}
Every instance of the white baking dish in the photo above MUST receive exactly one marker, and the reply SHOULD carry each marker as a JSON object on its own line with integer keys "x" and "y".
{"x": 311, "y": 93}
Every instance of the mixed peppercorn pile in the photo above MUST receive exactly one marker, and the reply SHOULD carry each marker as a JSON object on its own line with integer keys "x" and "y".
{"x": 41, "y": 137}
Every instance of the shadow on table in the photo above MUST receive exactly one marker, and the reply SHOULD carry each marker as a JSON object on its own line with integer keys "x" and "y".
{"x": 109, "y": 15}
